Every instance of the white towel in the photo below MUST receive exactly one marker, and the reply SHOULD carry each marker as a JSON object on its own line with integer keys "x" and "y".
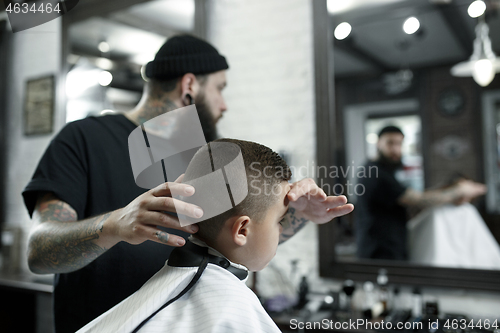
{"x": 218, "y": 303}
{"x": 452, "y": 236}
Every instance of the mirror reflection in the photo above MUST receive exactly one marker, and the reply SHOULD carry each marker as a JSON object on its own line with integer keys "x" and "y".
{"x": 417, "y": 94}
{"x": 107, "y": 54}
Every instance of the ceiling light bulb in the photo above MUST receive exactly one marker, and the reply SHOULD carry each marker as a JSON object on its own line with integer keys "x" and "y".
{"x": 477, "y": 8}
{"x": 342, "y": 30}
{"x": 105, "y": 78}
{"x": 411, "y": 25}
{"x": 483, "y": 63}
{"x": 103, "y": 47}
{"x": 104, "y": 63}
{"x": 483, "y": 72}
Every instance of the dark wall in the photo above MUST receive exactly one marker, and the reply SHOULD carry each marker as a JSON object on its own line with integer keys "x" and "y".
{"x": 466, "y": 125}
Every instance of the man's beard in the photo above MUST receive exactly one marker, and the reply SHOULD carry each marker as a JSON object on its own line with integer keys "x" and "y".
{"x": 206, "y": 119}
{"x": 389, "y": 163}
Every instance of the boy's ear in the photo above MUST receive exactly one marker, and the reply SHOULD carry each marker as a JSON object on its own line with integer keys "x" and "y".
{"x": 240, "y": 230}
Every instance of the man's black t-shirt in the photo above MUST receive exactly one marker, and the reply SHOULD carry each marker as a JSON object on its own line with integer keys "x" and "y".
{"x": 380, "y": 219}
{"x": 87, "y": 165}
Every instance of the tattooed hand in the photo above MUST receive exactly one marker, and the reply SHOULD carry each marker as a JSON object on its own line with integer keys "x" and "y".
{"x": 308, "y": 202}
{"x": 312, "y": 203}
{"x": 138, "y": 221}
{"x": 60, "y": 243}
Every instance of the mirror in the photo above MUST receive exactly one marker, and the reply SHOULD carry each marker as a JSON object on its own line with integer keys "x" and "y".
{"x": 107, "y": 51}
{"x": 386, "y": 76}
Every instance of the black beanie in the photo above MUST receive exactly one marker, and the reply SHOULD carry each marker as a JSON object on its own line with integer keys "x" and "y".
{"x": 390, "y": 129}
{"x": 185, "y": 54}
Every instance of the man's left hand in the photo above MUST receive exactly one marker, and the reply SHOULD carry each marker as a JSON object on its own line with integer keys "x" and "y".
{"x": 311, "y": 202}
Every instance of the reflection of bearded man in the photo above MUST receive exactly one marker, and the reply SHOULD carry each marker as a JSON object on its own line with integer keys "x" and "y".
{"x": 389, "y": 147}
{"x": 388, "y": 162}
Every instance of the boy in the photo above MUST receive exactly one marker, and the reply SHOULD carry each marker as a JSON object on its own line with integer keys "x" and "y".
{"x": 242, "y": 239}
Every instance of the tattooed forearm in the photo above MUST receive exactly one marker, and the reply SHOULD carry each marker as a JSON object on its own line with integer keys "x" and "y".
{"x": 59, "y": 244}
{"x": 291, "y": 225}
{"x": 430, "y": 198}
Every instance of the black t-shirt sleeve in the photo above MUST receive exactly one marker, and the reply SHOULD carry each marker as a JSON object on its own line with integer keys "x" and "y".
{"x": 61, "y": 170}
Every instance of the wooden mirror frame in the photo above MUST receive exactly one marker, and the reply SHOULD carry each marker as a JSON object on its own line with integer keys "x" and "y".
{"x": 328, "y": 148}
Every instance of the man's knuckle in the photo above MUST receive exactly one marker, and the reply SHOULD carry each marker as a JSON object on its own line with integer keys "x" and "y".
{"x": 139, "y": 216}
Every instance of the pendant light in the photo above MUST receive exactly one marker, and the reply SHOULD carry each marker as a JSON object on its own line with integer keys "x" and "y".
{"x": 483, "y": 64}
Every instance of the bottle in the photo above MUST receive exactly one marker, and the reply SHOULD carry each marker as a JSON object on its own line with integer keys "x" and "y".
{"x": 396, "y": 300}
{"x": 382, "y": 280}
{"x": 416, "y": 310}
{"x": 348, "y": 289}
{"x": 370, "y": 299}
{"x": 303, "y": 291}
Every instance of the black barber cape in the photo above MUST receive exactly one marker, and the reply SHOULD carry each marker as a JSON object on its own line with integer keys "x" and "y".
{"x": 380, "y": 219}
{"x": 87, "y": 165}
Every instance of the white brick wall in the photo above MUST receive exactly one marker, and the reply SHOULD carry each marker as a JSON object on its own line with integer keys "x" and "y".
{"x": 35, "y": 52}
{"x": 270, "y": 98}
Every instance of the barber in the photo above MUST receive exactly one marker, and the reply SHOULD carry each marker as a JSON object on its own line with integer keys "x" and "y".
{"x": 381, "y": 210}
{"x": 92, "y": 222}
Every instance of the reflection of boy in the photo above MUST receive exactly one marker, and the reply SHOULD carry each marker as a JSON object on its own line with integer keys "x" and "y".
{"x": 246, "y": 235}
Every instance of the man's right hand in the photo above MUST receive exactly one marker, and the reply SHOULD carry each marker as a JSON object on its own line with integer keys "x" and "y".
{"x": 138, "y": 221}
{"x": 462, "y": 192}
{"x": 60, "y": 243}
{"x": 469, "y": 190}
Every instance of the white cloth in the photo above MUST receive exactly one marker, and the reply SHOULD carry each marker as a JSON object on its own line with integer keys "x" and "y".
{"x": 452, "y": 236}
{"x": 219, "y": 302}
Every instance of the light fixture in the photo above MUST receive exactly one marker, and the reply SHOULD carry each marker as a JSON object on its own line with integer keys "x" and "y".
{"x": 476, "y": 9}
{"x": 104, "y": 63}
{"x": 335, "y": 6}
{"x": 372, "y": 138}
{"x": 105, "y": 78}
{"x": 79, "y": 80}
{"x": 411, "y": 25}
{"x": 483, "y": 64}
{"x": 342, "y": 31}
{"x": 103, "y": 47}
{"x": 142, "y": 58}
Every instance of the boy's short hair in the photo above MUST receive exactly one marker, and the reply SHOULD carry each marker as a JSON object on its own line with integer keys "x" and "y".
{"x": 265, "y": 170}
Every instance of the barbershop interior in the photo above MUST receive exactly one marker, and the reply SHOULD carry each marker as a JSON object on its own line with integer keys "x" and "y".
{"x": 392, "y": 106}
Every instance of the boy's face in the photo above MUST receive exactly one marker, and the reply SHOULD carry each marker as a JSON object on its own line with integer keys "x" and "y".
{"x": 266, "y": 233}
